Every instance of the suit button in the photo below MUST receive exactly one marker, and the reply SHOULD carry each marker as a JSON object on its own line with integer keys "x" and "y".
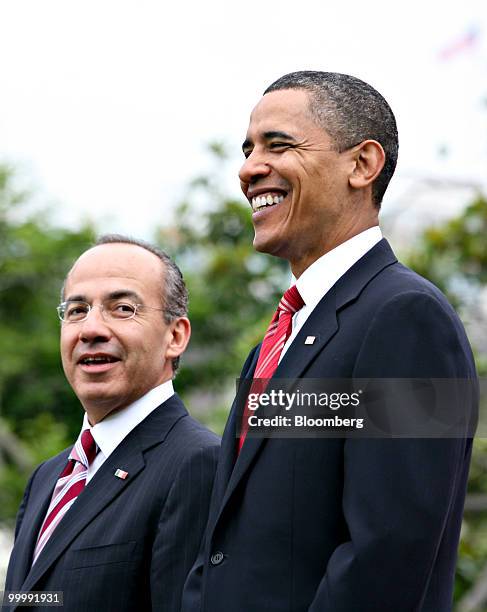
{"x": 216, "y": 558}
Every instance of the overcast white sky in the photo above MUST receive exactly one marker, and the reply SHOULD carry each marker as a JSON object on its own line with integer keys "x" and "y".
{"x": 106, "y": 106}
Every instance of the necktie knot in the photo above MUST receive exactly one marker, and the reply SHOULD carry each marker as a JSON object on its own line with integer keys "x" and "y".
{"x": 291, "y": 301}
{"x": 85, "y": 449}
{"x": 89, "y": 445}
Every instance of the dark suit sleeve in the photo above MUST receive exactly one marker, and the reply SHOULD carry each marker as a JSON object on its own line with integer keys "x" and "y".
{"x": 181, "y": 528}
{"x": 15, "y": 576}
{"x": 400, "y": 494}
{"x": 25, "y": 499}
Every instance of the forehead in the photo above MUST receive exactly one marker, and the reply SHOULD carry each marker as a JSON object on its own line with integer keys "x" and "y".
{"x": 283, "y": 110}
{"x": 109, "y": 267}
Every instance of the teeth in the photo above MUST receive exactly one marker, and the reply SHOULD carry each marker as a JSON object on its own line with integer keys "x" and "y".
{"x": 89, "y": 360}
{"x": 262, "y": 201}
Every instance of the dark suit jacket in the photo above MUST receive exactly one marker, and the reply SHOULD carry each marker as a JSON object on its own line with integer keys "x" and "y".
{"x": 335, "y": 525}
{"x": 124, "y": 545}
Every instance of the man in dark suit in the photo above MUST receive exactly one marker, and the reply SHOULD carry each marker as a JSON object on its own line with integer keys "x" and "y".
{"x": 118, "y": 525}
{"x": 328, "y": 524}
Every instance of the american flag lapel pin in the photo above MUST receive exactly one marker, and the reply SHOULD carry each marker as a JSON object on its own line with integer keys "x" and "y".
{"x": 121, "y": 474}
{"x": 310, "y": 339}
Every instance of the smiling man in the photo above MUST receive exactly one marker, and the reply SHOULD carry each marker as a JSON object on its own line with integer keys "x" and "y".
{"x": 324, "y": 524}
{"x": 115, "y": 522}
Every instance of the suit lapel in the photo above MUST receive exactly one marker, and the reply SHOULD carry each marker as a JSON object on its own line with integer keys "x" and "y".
{"x": 322, "y": 323}
{"x": 105, "y": 486}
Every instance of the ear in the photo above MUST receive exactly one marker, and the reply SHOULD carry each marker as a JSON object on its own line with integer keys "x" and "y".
{"x": 180, "y": 335}
{"x": 369, "y": 159}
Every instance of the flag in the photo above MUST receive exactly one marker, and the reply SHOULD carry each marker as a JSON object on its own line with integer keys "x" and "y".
{"x": 464, "y": 43}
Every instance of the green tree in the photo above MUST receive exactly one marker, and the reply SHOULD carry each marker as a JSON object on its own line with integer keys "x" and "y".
{"x": 37, "y": 405}
{"x": 453, "y": 255}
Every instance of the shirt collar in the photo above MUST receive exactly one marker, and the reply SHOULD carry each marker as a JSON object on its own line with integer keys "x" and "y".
{"x": 115, "y": 427}
{"x": 322, "y": 274}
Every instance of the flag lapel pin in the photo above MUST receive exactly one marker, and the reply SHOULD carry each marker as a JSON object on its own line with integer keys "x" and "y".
{"x": 310, "y": 339}
{"x": 121, "y": 474}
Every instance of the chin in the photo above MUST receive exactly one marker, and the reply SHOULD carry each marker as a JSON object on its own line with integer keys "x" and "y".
{"x": 269, "y": 245}
{"x": 96, "y": 396}
{"x": 263, "y": 242}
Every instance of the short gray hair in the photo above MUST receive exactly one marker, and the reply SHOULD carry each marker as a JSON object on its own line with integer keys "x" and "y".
{"x": 174, "y": 295}
{"x": 350, "y": 111}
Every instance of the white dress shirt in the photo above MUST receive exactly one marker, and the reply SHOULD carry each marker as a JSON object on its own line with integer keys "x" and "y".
{"x": 315, "y": 282}
{"x": 116, "y": 426}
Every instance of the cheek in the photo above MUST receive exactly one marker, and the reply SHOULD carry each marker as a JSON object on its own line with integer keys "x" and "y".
{"x": 66, "y": 350}
{"x": 68, "y": 341}
{"x": 305, "y": 179}
{"x": 151, "y": 348}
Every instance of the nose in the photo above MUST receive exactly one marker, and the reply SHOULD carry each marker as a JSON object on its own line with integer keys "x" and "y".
{"x": 94, "y": 328}
{"x": 254, "y": 168}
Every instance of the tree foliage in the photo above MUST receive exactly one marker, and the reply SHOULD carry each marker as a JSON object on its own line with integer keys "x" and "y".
{"x": 34, "y": 396}
{"x": 454, "y": 255}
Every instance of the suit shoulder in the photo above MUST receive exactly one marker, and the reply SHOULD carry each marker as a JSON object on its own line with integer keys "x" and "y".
{"x": 195, "y": 448}
{"x": 412, "y": 322}
{"x": 403, "y": 295}
{"x": 398, "y": 278}
{"x": 399, "y": 284}
{"x": 196, "y": 433}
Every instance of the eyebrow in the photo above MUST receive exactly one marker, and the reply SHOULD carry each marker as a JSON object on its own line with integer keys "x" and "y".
{"x": 269, "y": 136}
{"x": 113, "y": 295}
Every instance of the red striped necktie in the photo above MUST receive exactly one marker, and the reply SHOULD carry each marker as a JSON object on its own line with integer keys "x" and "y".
{"x": 69, "y": 485}
{"x": 275, "y": 338}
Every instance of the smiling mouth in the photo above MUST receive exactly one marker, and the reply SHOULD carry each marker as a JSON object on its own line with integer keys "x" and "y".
{"x": 99, "y": 360}
{"x": 266, "y": 200}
